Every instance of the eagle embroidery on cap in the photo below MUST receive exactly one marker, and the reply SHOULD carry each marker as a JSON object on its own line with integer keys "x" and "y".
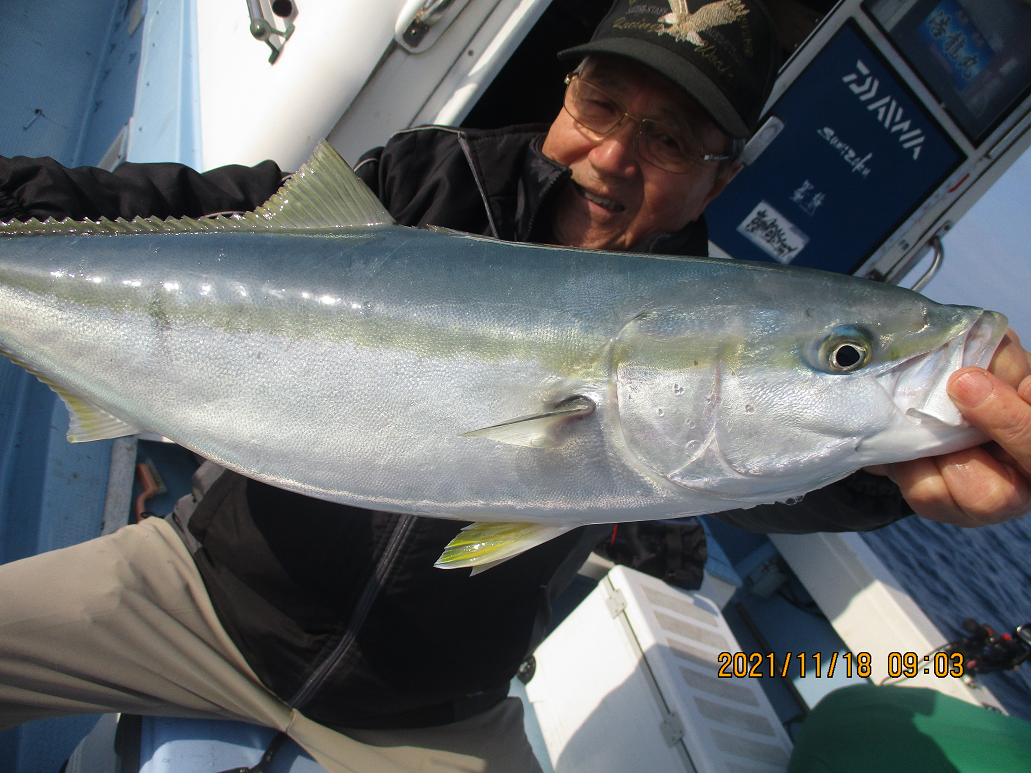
{"x": 684, "y": 25}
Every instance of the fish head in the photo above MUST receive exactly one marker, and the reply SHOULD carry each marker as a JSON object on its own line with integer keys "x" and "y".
{"x": 783, "y": 385}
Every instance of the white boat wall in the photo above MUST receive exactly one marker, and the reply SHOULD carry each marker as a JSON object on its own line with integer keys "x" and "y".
{"x": 347, "y": 74}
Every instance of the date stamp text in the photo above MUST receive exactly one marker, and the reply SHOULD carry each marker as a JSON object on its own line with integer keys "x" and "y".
{"x": 817, "y": 665}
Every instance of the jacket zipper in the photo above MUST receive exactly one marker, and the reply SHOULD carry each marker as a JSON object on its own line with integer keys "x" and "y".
{"x": 361, "y": 611}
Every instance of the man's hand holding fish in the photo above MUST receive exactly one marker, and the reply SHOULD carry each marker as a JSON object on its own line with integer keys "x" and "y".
{"x": 984, "y": 484}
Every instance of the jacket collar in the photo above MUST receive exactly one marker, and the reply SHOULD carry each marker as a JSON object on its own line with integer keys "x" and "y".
{"x": 540, "y": 180}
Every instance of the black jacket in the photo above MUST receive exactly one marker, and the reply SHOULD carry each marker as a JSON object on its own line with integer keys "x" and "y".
{"x": 339, "y": 610}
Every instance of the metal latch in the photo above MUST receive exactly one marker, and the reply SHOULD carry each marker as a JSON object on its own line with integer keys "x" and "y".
{"x": 616, "y": 602}
{"x": 672, "y": 729}
{"x": 264, "y": 27}
{"x": 421, "y": 22}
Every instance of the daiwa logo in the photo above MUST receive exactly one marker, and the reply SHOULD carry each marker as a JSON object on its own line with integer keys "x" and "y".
{"x": 889, "y": 112}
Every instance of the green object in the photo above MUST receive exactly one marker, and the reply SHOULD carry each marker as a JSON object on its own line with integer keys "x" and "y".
{"x": 867, "y": 728}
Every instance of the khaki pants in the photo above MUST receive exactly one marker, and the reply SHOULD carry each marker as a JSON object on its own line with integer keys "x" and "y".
{"x": 123, "y": 623}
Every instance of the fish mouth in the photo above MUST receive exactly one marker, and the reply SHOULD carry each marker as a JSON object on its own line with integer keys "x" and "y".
{"x": 928, "y": 422}
{"x": 984, "y": 338}
{"x": 976, "y": 348}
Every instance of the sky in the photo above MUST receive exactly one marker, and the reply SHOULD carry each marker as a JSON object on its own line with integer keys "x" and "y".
{"x": 988, "y": 253}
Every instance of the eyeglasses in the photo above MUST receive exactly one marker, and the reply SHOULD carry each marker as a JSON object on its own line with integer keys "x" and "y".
{"x": 667, "y": 148}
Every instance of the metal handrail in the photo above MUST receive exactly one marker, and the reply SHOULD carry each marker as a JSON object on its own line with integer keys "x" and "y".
{"x": 935, "y": 243}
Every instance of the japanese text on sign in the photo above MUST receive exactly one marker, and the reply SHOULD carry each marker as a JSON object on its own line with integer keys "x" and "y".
{"x": 773, "y": 233}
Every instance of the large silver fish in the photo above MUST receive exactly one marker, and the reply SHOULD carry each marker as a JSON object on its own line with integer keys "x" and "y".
{"x": 318, "y": 346}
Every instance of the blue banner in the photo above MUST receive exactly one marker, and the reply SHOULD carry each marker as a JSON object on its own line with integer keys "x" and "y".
{"x": 857, "y": 155}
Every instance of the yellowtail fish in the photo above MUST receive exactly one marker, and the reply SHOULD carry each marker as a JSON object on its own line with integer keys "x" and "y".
{"x": 320, "y": 347}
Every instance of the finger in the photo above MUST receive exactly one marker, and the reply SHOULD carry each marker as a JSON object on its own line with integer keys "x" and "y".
{"x": 1024, "y": 390}
{"x": 1016, "y": 339}
{"x": 1010, "y": 363}
{"x": 984, "y": 489}
{"x": 925, "y": 489}
{"x": 996, "y": 409}
{"x": 968, "y": 488}
{"x": 1000, "y": 454}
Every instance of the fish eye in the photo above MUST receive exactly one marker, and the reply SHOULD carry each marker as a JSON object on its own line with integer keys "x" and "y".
{"x": 844, "y": 354}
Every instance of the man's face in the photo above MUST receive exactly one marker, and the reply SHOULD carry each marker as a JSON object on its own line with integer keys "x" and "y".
{"x": 616, "y": 200}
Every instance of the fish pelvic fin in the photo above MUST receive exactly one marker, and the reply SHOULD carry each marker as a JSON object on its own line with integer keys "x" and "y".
{"x": 323, "y": 193}
{"x": 539, "y": 430}
{"x": 485, "y": 545}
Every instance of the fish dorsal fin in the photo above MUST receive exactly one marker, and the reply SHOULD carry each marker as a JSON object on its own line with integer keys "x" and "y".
{"x": 484, "y": 545}
{"x": 324, "y": 193}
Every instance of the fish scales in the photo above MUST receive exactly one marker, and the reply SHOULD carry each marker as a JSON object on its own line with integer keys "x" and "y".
{"x": 202, "y": 347}
{"x": 454, "y": 376}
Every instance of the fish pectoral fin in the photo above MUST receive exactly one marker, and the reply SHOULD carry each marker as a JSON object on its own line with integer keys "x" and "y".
{"x": 485, "y": 545}
{"x": 539, "y": 430}
{"x": 87, "y": 422}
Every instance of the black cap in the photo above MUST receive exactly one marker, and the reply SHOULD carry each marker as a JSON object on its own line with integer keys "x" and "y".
{"x": 724, "y": 54}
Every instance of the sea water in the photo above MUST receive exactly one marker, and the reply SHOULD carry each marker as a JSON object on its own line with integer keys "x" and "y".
{"x": 955, "y": 573}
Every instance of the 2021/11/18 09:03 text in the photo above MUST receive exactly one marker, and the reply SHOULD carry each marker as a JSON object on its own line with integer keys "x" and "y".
{"x": 900, "y": 664}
